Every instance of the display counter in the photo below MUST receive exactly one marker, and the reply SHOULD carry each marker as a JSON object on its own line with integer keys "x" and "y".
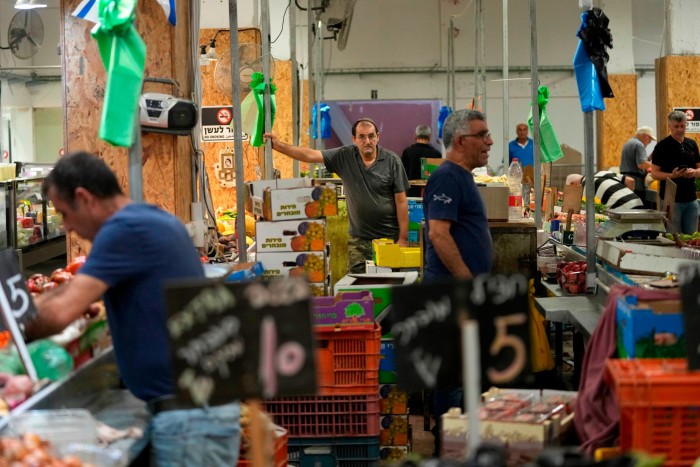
{"x": 96, "y": 387}
{"x": 29, "y": 223}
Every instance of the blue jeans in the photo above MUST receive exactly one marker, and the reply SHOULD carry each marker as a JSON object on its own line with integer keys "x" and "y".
{"x": 685, "y": 217}
{"x": 198, "y": 437}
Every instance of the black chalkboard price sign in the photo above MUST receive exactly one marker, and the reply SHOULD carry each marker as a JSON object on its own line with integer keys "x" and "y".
{"x": 16, "y": 306}
{"x": 426, "y": 327}
{"x": 242, "y": 340}
{"x": 689, "y": 276}
{"x": 14, "y": 295}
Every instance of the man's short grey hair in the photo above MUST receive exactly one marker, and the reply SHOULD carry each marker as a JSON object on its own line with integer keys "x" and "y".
{"x": 423, "y": 132}
{"x": 458, "y": 124}
{"x": 677, "y": 116}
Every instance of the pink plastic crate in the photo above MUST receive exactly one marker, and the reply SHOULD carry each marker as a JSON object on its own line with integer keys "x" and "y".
{"x": 326, "y": 416}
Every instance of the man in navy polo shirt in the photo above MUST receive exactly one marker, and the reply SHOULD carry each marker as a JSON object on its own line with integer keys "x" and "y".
{"x": 136, "y": 247}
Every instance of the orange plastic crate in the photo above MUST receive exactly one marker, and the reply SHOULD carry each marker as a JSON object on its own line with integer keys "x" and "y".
{"x": 326, "y": 416}
{"x": 347, "y": 360}
{"x": 281, "y": 442}
{"x": 659, "y": 403}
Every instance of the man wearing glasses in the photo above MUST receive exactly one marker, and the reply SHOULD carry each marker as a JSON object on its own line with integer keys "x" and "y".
{"x": 459, "y": 241}
{"x": 676, "y": 158}
{"x": 375, "y": 185}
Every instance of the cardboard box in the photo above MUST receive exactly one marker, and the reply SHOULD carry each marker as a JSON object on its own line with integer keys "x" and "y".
{"x": 391, "y": 399}
{"x": 286, "y": 199}
{"x": 346, "y": 308}
{"x": 391, "y": 255}
{"x": 650, "y": 329}
{"x": 495, "y": 196}
{"x": 388, "y": 455}
{"x": 379, "y": 284}
{"x": 312, "y": 265}
{"x": 393, "y": 430}
{"x": 428, "y": 166}
{"x": 296, "y": 235}
{"x": 641, "y": 259}
{"x": 387, "y": 361}
{"x": 415, "y": 216}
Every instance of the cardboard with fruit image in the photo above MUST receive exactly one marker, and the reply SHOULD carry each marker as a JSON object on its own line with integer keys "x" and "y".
{"x": 300, "y": 202}
{"x": 393, "y": 430}
{"x": 312, "y": 265}
{"x": 392, "y": 400}
{"x": 295, "y": 235}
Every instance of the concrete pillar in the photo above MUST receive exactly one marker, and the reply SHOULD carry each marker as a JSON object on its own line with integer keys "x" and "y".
{"x": 678, "y": 69}
{"x": 619, "y": 121}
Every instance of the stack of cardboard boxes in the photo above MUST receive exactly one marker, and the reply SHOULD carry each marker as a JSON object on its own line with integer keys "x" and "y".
{"x": 291, "y": 235}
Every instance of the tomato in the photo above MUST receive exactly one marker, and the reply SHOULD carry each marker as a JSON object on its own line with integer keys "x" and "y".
{"x": 76, "y": 264}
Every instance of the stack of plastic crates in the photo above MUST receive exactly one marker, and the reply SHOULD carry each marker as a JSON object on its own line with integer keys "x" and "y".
{"x": 659, "y": 402}
{"x": 340, "y": 425}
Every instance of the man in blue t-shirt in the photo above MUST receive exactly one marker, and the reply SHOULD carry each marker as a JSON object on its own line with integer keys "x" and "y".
{"x": 521, "y": 147}
{"x": 135, "y": 249}
{"x": 459, "y": 242}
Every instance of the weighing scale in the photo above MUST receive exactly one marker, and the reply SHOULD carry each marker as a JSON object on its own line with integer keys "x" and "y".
{"x": 633, "y": 224}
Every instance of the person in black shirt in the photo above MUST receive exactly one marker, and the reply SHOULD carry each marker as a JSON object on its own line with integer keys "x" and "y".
{"x": 414, "y": 153}
{"x": 677, "y": 157}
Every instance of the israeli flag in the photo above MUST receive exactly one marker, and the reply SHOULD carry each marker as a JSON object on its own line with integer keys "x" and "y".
{"x": 87, "y": 9}
{"x": 169, "y": 9}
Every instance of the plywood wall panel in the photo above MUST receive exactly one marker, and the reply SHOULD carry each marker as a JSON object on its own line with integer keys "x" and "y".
{"x": 675, "y": 87}
{"x": 618, "y": 122}
{"x": 166, "y": 175}
{"x": 224, "y": 197}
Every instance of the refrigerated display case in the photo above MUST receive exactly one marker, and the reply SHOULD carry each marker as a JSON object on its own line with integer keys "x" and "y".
{"x": 30, "y": 224}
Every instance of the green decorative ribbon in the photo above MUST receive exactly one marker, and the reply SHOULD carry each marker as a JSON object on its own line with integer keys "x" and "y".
{"x": 257, "y": 86}
{"x": 550, "y": 150}
{"x": 123, "y": 54}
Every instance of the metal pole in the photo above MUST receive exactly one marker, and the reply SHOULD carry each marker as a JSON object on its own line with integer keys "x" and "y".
{"x": 534, "y": 85}
{"x": 589, "y": 156}
{"x": 310, "y": 72}
{"x": 265, "y": 20}
{"x": 451, "y": 98}
{"x": 319, "y": 82}
{"x": 237, "y": 129}
{"x": 506, "y": 95}
{"x": 295, "y": 84}
{"x": 135, "y": 164}
{"x": 480, "y": 58}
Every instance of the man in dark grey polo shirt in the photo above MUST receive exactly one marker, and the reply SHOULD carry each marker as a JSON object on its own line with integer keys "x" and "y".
{"x": 375, "y": 187}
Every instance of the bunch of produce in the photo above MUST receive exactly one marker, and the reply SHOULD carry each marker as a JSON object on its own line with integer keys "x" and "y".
{"x": 572, "y": 276}
{"x": 39, "y": 283}
{"x": 31, "y": 450}
{"x": 687, "y": 239}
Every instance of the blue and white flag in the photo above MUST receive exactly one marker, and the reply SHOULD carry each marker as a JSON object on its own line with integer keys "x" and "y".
{"x": 87, "y": 9}
{"x": 169, "y": 9}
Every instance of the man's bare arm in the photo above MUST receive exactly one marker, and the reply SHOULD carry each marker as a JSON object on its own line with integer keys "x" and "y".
{"x": 311, "y": 156}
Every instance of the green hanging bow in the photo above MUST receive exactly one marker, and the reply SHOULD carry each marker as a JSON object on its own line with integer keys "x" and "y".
{"x": 550, "y": 150}
{"x": 123, "y": 54}
{"x": 257, "y": 86}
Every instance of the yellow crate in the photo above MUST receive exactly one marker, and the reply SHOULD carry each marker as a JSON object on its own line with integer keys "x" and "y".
{"x": 391, "y": 255}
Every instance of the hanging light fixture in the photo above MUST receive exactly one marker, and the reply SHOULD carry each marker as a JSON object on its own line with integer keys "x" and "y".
{"x": 211, "y": 54}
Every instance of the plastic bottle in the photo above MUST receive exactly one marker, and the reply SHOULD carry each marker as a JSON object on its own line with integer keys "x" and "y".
{"x": 515, "y": 188}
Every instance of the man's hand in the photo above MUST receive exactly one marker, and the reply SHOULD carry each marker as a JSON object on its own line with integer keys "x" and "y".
{"x": 689, "y": 173}
{"x": 678, "y": 173}
{"x": 403, "y": 242}
{"x": 272, "y": 137}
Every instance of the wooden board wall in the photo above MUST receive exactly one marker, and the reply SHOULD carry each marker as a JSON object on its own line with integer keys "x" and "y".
{"x": 675, "y": 87}
{"x": 225, "y": 196}
{"x": 166, "y": 159}
{"x": 618, "y": 123}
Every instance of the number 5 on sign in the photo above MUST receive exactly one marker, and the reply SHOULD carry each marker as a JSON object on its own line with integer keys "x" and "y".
{"x": 16, "y": 305}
